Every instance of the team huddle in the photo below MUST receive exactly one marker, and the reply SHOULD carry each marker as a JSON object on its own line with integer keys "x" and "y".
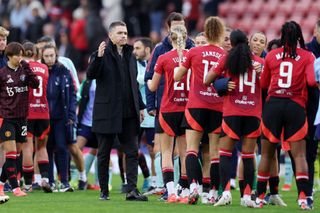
{"x": 215, "y": 95}
{"x": 212, "y": 92}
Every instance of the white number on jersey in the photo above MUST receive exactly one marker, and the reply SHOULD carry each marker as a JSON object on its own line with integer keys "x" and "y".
{"x": 39, "y": 91}
{"x": 285, "y": 74}
{"x": 243, "y": 81}
{"x": 206, "y": 67}
{"x": 178, "y": 86}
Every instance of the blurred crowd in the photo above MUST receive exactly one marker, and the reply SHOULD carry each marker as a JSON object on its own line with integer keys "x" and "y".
{"x": 78, "y": 26}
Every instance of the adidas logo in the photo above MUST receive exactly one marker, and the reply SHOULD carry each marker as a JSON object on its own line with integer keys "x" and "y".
{"x": 10, "y": 81}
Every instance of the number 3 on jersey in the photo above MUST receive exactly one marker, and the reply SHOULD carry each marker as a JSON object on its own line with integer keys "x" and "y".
{"x": 39, "y": 91}
{"x": 285, "y": 73}
{"x": 178, "y": 86}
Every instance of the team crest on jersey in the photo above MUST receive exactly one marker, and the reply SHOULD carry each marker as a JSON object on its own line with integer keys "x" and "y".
{"x": 7, "y": 134}
{"x": 23, "y": 77}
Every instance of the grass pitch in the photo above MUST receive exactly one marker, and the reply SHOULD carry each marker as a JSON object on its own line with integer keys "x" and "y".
{"x": 87, "y": 201}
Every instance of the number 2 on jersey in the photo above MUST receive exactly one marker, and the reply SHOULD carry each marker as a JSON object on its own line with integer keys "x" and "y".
{"x": 178, "y": 86}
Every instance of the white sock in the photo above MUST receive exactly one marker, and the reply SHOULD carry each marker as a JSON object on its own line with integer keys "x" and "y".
{"x": 37, "y": 178}
{"x": 170, "y": 187}
{"x": 153, "y": 181}
{"x": 193, "y": 186}
{"x": 83, "y": 176}
{"x": 45, "y": 179}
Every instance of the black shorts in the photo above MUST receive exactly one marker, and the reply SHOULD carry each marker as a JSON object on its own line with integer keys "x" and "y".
{"x": 237, "y": 127}
{"x": 13, "y": 129}
{"x": 203, "y": 120}
{"x": 282, "y": 115}
{"x": 170, "y": 123}
{"x": 85, "y": 131}
{"x": 38, "y": 127}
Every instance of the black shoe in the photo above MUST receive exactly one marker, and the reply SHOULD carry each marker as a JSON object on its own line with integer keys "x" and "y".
{"x": 124, "y": 188}
{"x": 135, "y": 195}
{"x": 82, "y": 185}
{"x": 104, "y": 196}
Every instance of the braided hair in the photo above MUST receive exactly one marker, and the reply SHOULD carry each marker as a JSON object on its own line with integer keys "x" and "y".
{"x": 291, "y": 34}
{"x": 178, "y": 35}
{"x": 239, "y": 59}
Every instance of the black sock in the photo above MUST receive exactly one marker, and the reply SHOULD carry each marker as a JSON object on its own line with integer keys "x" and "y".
{"x": 262, "y": 184}
{"x": 302, "y": 182}
{"x": 167, "y": 175}
{"x": 224, "y": 169}
{"x": 44, "y": 168}
{"x": 28, "y": 172}
{"x": 193, "y": 168}
{"x": 143, "y": 165}
{"x": 241, "y": 187}
{"x": 274, "y": 185}
{"x": 248, "y": 170}
{"x": 214, "y": 173}
{"x": 19, "y": 166}
{"x": 11, "y": 169}
{"x": 206, "y": 184}
{"x": 183, "y": 181}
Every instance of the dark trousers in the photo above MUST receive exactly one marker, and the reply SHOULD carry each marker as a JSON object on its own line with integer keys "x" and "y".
{"x": 129, "y": 143}
{"x": 57, "y": 148}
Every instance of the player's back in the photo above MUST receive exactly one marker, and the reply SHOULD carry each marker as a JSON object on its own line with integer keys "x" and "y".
{"x": 175, "y": 95}
{"x": 200, "y": 60}
{"x": 288, "y": 77}
{"x": 38, "y": 103}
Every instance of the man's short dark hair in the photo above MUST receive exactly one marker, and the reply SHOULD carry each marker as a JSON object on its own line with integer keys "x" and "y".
{"x": 146, "y": 42}
{"x": 174, "y": 16}
{"x": 115, "y": 24}
{"x": 46, "y": 39}
{"x": 13, "y": 48}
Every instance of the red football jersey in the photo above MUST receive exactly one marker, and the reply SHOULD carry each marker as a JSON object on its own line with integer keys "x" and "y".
{"x": 38, "y": 103}
{"x": 200, "y": 60}
{"x": 175, "y": 94}
{"x": 288, "y": 77}
{"x": 245, "y": 99}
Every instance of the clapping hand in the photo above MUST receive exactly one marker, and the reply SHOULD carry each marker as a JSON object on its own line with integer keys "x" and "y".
{"x": 101, "y": 49}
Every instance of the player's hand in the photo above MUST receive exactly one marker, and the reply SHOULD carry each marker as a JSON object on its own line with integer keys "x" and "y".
{"x": 101, "y": 48}
{"x": 141, "y": 115}
{"x": 257, "y": 67}
{"x": 70, "y": 122}
{"x": 231, "y": 86}
{"x": 153, "y": 113}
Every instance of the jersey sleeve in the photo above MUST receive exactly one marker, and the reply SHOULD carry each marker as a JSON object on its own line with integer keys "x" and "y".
{"x": 187, "y": 63}
{"x": 265, "y": 75}
{"x": 158, "y": 68}
{"x": 310, "y": 75}
{"x": 220, "y": 68}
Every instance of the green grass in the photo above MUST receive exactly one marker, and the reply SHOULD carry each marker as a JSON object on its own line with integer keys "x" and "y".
{"x": 87, "y": 201}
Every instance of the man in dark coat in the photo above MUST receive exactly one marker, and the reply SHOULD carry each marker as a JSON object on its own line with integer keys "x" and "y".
{"x": 118, "y": 107}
